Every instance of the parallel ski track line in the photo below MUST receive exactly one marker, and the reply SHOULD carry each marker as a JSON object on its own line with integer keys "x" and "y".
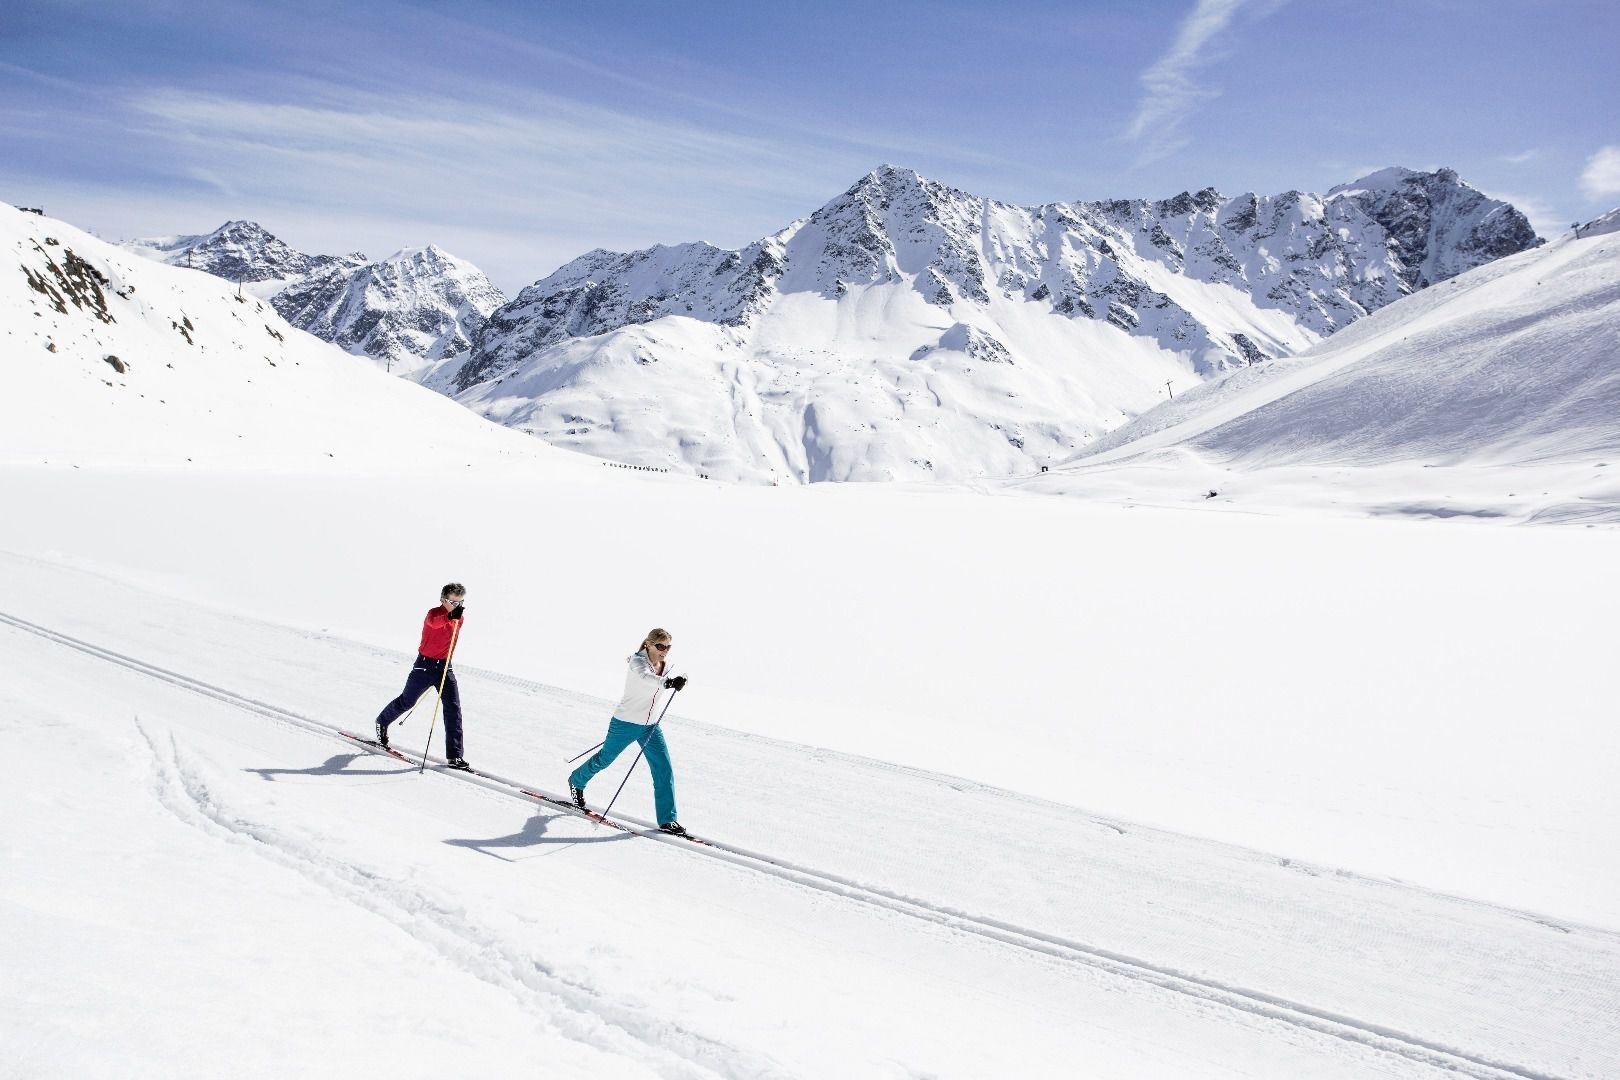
{"x": 1254, "y": 1002}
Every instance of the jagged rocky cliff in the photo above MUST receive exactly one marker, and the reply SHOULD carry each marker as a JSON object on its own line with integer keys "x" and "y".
{"x": 408, "y": 310}
{"x": 909, "y": 329}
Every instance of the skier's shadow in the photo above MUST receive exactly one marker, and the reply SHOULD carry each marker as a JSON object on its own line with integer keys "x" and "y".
{"x": 336, "y": 765}
{"x": 533, "y": 834}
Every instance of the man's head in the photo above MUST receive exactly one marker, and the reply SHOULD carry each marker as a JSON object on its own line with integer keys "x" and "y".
{"x": 454, "y": 592}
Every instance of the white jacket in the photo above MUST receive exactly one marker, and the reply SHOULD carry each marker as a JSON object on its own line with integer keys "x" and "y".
{"x": 641, "y": 686}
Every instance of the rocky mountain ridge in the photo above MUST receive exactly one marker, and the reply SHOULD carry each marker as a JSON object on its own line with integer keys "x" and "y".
{"x": 1084, "y": 313}
{"x": 410, "y": 309}
{"x": 1322, "y": 261}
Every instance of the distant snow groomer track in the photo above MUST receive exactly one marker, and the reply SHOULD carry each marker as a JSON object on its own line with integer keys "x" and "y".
{"x": 1256, "y": 1003}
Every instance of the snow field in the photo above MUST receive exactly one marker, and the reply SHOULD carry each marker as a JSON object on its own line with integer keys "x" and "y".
{"x": 1401, "y": 726}
{"x": 157, "y": 931}
{"x": 1140, "y": 663}
{"x": 673, "y": 963}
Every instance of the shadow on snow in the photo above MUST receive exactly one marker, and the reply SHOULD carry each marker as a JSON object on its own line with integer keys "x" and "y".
{"x": 336, "y": 765}
{"x": 533, "y": 834}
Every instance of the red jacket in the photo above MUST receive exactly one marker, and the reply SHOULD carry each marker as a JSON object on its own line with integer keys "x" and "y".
{"x": 436, "y": 630}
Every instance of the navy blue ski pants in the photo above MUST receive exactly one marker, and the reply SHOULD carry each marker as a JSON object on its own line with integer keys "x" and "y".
{"x": 425, "y": 676}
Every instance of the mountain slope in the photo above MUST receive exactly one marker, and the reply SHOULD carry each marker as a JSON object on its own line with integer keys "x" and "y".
{"x": 1436, "y": 225}
{"x": 909, "y": 330}
{"x": 410, "y": 309}
{"x": 1511, "y": 362}
{"x": 116, "y": 358}
{"x": 243, "y": 251}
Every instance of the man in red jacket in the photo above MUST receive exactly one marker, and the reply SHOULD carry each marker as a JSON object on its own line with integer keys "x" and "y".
{"x": 439, "y": 629}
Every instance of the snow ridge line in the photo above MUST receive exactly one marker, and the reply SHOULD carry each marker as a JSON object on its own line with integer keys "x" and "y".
{"x": 585, "y": 1016}
{"x": 1254, "y": 1002}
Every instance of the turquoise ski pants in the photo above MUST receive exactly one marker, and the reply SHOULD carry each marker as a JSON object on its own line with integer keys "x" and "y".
{"x": 621, "y": 734}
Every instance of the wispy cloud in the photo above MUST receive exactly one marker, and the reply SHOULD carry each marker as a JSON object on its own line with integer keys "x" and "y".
{"x": 1170, "y": 89}
{"x": 1601, "y": 177}
{"x": 1358, "y": 171}
{"x": 544, "y": 170}
{"x": 1524, "y": 157}
{"x": 40, "y": 78}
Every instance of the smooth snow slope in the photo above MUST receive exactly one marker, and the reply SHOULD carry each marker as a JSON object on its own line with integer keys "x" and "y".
{"x": 216, "y": 883}
{"x": 116, "y": 359}
{"x": 1516, "y": 361}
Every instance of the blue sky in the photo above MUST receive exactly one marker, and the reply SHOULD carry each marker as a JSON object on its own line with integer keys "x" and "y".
{"x": 519, "y": 135}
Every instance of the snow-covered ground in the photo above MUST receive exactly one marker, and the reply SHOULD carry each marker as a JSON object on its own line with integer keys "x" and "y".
{"x": 197, "y": 854}
{"x": 1495, "y": 394}
{"x": 1044, "y": 786}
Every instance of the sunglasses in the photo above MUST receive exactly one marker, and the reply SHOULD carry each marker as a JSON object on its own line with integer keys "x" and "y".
{"x": 662, "y": 648}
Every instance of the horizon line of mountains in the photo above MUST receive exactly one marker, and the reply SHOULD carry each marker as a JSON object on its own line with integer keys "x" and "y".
{"x": 1047, "y": 324}
{"x": 244, "y": 251}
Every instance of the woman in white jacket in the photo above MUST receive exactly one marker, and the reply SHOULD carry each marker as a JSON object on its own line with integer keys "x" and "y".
{"x": 634, "y": 721}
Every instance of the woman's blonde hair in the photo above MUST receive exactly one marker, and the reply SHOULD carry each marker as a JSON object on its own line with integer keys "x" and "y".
{"x": 656, "y": 634}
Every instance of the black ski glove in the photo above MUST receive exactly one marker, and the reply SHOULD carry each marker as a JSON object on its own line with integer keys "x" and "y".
{"x": 457, "y": 611}
{"x": 676, "y": 683}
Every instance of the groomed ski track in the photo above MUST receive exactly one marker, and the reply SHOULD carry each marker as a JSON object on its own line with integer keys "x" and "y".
{"x": 1296, "y": 1014}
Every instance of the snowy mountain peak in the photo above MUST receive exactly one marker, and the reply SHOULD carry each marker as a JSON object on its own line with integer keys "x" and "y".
{"x": 431, "y": 255}
{"x": 1438, "y": 225}
{"x": 1388, "y": 179}
{"x": 240, "y": 251}
{"x": 1206, "y": 201}
{"x": 889, "y": 178}
{"x": 412, "y": 308}
{"x": 1034, "y": 328}
{"x": 889, "y": 197}
{"x": 242, "y": 229}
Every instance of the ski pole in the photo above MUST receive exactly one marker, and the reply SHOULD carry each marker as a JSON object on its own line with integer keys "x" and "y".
{"x": 455, "y": 632}
{"x": 408, "y": 712}
{"x": 640, "y": 747}
{"x": 592, "y": 750}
